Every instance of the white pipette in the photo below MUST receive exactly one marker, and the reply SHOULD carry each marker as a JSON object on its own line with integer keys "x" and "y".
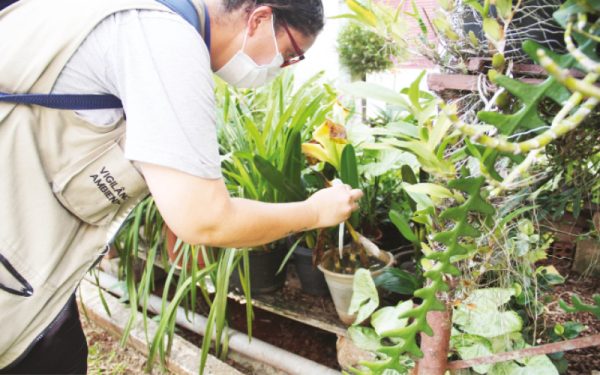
{"x": 342, "y": 226}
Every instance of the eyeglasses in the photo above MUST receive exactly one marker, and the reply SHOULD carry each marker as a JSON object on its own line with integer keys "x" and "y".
{"x": 299, "y": 52}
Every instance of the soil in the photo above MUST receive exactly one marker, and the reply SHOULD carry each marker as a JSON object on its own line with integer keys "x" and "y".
{"x": 349, "y": 266}
{"x": 295, "y": 337}
{"x": 106, "y": 356}
{"x": 582, "y": 361}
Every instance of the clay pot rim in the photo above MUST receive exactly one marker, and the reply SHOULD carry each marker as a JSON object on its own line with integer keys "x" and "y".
{"x": 389, "y": 263}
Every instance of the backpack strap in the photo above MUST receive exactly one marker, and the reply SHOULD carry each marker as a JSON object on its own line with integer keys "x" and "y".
{"x": 184, "y": 8}
{"x": 59, "y": 101}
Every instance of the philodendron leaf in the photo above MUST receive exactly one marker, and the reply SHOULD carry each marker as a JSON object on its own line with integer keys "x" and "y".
{"x": 534, "y": 365}
{"x": 365, "y": 298}
{"x": 492, "y": 323}
{"x": 479, "y": 314}
{"x": 398, "y": 281}
{"x": 387, "y": 319}
{"x": 490, "y": 299}
{"x": 469, "y": 347}
{"x": 364, "y": 337}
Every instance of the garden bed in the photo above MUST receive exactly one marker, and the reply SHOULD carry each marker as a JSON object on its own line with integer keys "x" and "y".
{"x": 582, "y": 361}
{"x": 106, "y": 356}
{"x": 307, "y": 325}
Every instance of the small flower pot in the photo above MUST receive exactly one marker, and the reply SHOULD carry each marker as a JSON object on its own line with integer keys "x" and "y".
{"x": 311, "y": 279}
{"x": 340, "y": 286}
{"x": 263, "y": 271}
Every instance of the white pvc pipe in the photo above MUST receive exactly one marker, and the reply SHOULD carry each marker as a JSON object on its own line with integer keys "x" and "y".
{"x": 239, "y": 342}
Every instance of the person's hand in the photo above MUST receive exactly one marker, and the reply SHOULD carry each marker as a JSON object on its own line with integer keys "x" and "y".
{"x": 334, "y": 205}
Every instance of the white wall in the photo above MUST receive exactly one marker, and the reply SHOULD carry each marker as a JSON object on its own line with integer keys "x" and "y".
{"x": 323, "y": 54}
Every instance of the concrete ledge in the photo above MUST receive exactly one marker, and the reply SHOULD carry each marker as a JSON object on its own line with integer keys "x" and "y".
{"x": 184, "y": 358}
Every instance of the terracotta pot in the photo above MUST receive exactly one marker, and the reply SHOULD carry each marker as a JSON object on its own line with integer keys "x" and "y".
{"x": 171, "y": 241}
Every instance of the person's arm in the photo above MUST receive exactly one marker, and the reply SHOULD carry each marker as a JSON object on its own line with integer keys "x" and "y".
{"x": 200, "y": 211}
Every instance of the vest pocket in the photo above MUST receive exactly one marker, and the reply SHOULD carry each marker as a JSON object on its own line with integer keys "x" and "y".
{"x": 11, "y": 281}
{"x": 95, "y": 188}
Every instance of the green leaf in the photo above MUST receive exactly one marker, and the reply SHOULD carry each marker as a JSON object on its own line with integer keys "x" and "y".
{"x": 277, "y": 179}
{"x": 349, "y": 167}
{"x": 397, "y": 281}
{"x": 373, "y": 91}
{"x": 475, "y": 5}
{"x": 364, "y": 337}
{"x": 408, "y": 175}
{"x": 287, "y": 256}
{"x": 491, "y": 323}
{"x": 387, "y": 319}
{"x": 349, "y": 175}
{"x": 504, "y": 8}
{"x": 572, "y": 330}
{"x": 363, "y": 13}
{"x": 435, "y": 191}
{"x": 365, "y": 298}
{"x": 473, "y": 39}
{"x": 479, "y": 314}
{"x": 414, "y": 91}
{"x": 534, "y": 365}
{"x": 398, "y": 129}
{"x": 403, "y": 226}
{"x": 490, "y": 299}
{"x": 470, "y": 346}
{"x": 293, "y": 160}
{"x": 492, "y": 29}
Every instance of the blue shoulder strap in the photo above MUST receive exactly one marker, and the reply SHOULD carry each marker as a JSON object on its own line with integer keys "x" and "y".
{"x": 184, "y": 8}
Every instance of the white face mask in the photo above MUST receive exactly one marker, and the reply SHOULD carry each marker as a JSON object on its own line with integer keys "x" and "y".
{"x": 243, "y": 72}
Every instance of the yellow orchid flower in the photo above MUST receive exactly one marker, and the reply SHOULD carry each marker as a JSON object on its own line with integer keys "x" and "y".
{"x": 329, "y": 141}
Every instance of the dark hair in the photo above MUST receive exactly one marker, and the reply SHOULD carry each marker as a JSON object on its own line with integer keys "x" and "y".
{"x": 306, "y": 16}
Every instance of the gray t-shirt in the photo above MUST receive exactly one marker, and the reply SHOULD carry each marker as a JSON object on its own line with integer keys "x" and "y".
{"x": 159, "y": 66}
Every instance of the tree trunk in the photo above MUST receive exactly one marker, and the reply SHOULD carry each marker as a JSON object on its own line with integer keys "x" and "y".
{"x": 435, "y": 348}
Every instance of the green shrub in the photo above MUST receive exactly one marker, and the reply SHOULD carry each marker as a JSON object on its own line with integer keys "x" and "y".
{"x": 363, "y": 51}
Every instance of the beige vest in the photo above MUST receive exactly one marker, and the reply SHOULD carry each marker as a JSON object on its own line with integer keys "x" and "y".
{"x": 65, "y": 186}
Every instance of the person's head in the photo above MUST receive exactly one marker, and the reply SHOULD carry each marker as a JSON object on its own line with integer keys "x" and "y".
{"x": 268, "y": 34}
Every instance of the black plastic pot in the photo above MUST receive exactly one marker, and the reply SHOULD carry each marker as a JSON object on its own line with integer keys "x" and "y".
{"x": 312, "y": 280}
{"x": 263, "y": 271}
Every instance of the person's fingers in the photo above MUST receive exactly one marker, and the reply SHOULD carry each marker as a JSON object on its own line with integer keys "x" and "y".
{"x": 348, "y": 187}
{"x": 356, "y": 194}
{"x": 355, "y": 207}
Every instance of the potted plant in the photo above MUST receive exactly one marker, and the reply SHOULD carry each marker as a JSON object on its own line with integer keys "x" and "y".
{"x": 292, "y": 186}
{"x": 262, "y": 161}
{"x": 333, "y": 155}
